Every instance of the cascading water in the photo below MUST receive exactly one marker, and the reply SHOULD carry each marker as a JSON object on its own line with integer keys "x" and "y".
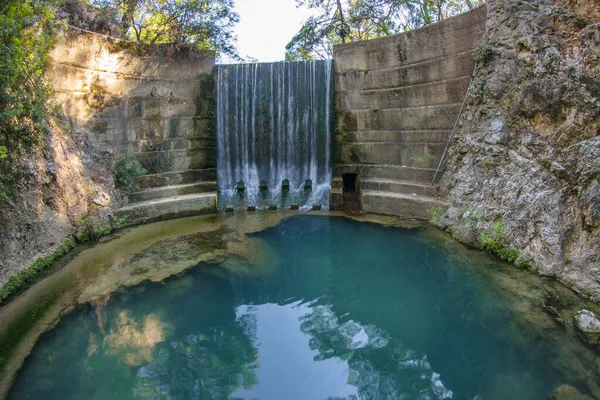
{"x": 273, "y": 124}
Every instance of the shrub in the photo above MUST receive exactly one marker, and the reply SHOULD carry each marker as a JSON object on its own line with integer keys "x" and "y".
{"x": 26, "y": 37}
{"x": 15, "y": 282}
{"x": 126, "y": 171}
{"x": 435, "y": 213}
{"x": 483, "y": 54}
{"x": 493, "y": 243}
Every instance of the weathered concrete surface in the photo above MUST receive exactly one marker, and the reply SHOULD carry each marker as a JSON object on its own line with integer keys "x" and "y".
{"x": 588, "y": 325}
{"x": 390, "y": 203}
{"x": 173, "y": 190}
{"x": 527, "y": 153}
{"x": 398, "y": 98}
{"x": 117, "y": 97}
{"x": 336, "y": 197}
{"x": 152, "y": 101}
{"x": 169, "y": 207}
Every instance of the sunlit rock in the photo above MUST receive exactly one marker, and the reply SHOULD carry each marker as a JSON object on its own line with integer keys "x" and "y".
{"x": 588, "y": 325}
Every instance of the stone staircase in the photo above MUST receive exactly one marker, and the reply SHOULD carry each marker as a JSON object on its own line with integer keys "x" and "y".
{"x": 399, "y": 101}
{"x": 177, "y": 148}
{"x": 171, "y": 195}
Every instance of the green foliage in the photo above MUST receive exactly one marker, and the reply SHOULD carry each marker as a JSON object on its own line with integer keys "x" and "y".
{"x": 126, "y": 171}
{"x": 366, "y": 19}
{"x": 92, "y": 228}
{"x": 26, "y": 37}
{"x": 521, "y": 263}
{"x": 435, "y": 213}
{"x": 6, "y": 178}
{"x": 493, "y": 243}
{"x": 92, "y": 231}
{"x": 26, "y": 31}
{"x": 418, "y": 159}
{"x": 207, "y": 24}
{"x": 483, "y": 54}
{"x": 15, "y": 282}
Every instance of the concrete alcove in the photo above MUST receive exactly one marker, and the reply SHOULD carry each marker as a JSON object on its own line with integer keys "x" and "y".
{"x": 350, "y": 192}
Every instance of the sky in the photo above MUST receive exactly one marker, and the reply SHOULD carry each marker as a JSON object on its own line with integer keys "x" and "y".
{"x": 266, "y": 26}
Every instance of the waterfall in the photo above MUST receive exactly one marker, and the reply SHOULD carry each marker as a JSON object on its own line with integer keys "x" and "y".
{"x": 273, "y": 123}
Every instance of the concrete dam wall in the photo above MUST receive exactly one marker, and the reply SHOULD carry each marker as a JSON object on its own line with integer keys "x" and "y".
{"x": 398, "y": 99}
{"x": 154, "y": 102}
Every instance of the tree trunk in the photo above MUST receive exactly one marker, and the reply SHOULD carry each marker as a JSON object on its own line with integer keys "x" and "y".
{"x": 439, "y": 9}
{"x": 339, "y": 4}
{"x": 425, "y": 10}
{"x": 129, "y": 8}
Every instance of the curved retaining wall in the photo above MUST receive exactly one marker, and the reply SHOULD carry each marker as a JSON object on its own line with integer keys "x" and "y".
{"x": 152, "y": 101}
{"x": 398, "y": 98}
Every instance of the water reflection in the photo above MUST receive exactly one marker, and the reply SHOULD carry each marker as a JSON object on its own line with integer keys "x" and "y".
{"x": 133, "y": 341}
{"x": 315, "y": 308}
{"x": 287, "y": 363}
{"x": 208, "y": 364}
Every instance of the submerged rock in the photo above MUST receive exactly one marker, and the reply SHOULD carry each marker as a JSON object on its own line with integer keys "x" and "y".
{"x": 566, "y": 392}
{"x": 588, "y": 325}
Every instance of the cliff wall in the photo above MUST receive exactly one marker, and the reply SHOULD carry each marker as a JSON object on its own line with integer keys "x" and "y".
{"x": 524, "y": 167}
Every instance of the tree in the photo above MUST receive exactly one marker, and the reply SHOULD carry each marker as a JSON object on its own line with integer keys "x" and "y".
{"x": 204, "y": 23}
{"x": 26, "y": 37}
{"x": 366, "y": 19}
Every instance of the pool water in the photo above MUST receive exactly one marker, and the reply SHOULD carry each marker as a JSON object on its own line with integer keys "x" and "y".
{"x": 343, "y": 310}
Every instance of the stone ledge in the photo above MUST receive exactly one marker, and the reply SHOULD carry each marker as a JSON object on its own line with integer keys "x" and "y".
{"x": 168, "y": 208}
{"x": 399, "y": 204}
{"x": 173, "y": 190}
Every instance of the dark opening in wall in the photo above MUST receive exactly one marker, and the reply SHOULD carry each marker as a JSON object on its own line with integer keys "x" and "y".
{"x": 350, "y": 192}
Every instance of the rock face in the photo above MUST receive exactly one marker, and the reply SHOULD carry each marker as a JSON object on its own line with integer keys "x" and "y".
{"x": 57, "y": 188}
{"x": 526, "y": 156}
{"x": 588, "y": 326}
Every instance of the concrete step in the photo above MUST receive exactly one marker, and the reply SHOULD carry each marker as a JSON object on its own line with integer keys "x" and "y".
{"x": 413, "y": 136}
{"x": 400, "y": 204}
{"x": 394, "y": 186}
{"x": 173, "y": 190}
{"x": 421, "y": 155}
{"x": 391, "y": 172}
{"x": 177, "y": 177}
{"x": 399, "y": 119}
{"x": 423, "y": 94}
{"x": 177, "y": 160}
{"x": 147, "y": 145}
{"x": 453, "y": 66}
{"x": 133, "y": 129}
{"x": 168, "y": 208}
